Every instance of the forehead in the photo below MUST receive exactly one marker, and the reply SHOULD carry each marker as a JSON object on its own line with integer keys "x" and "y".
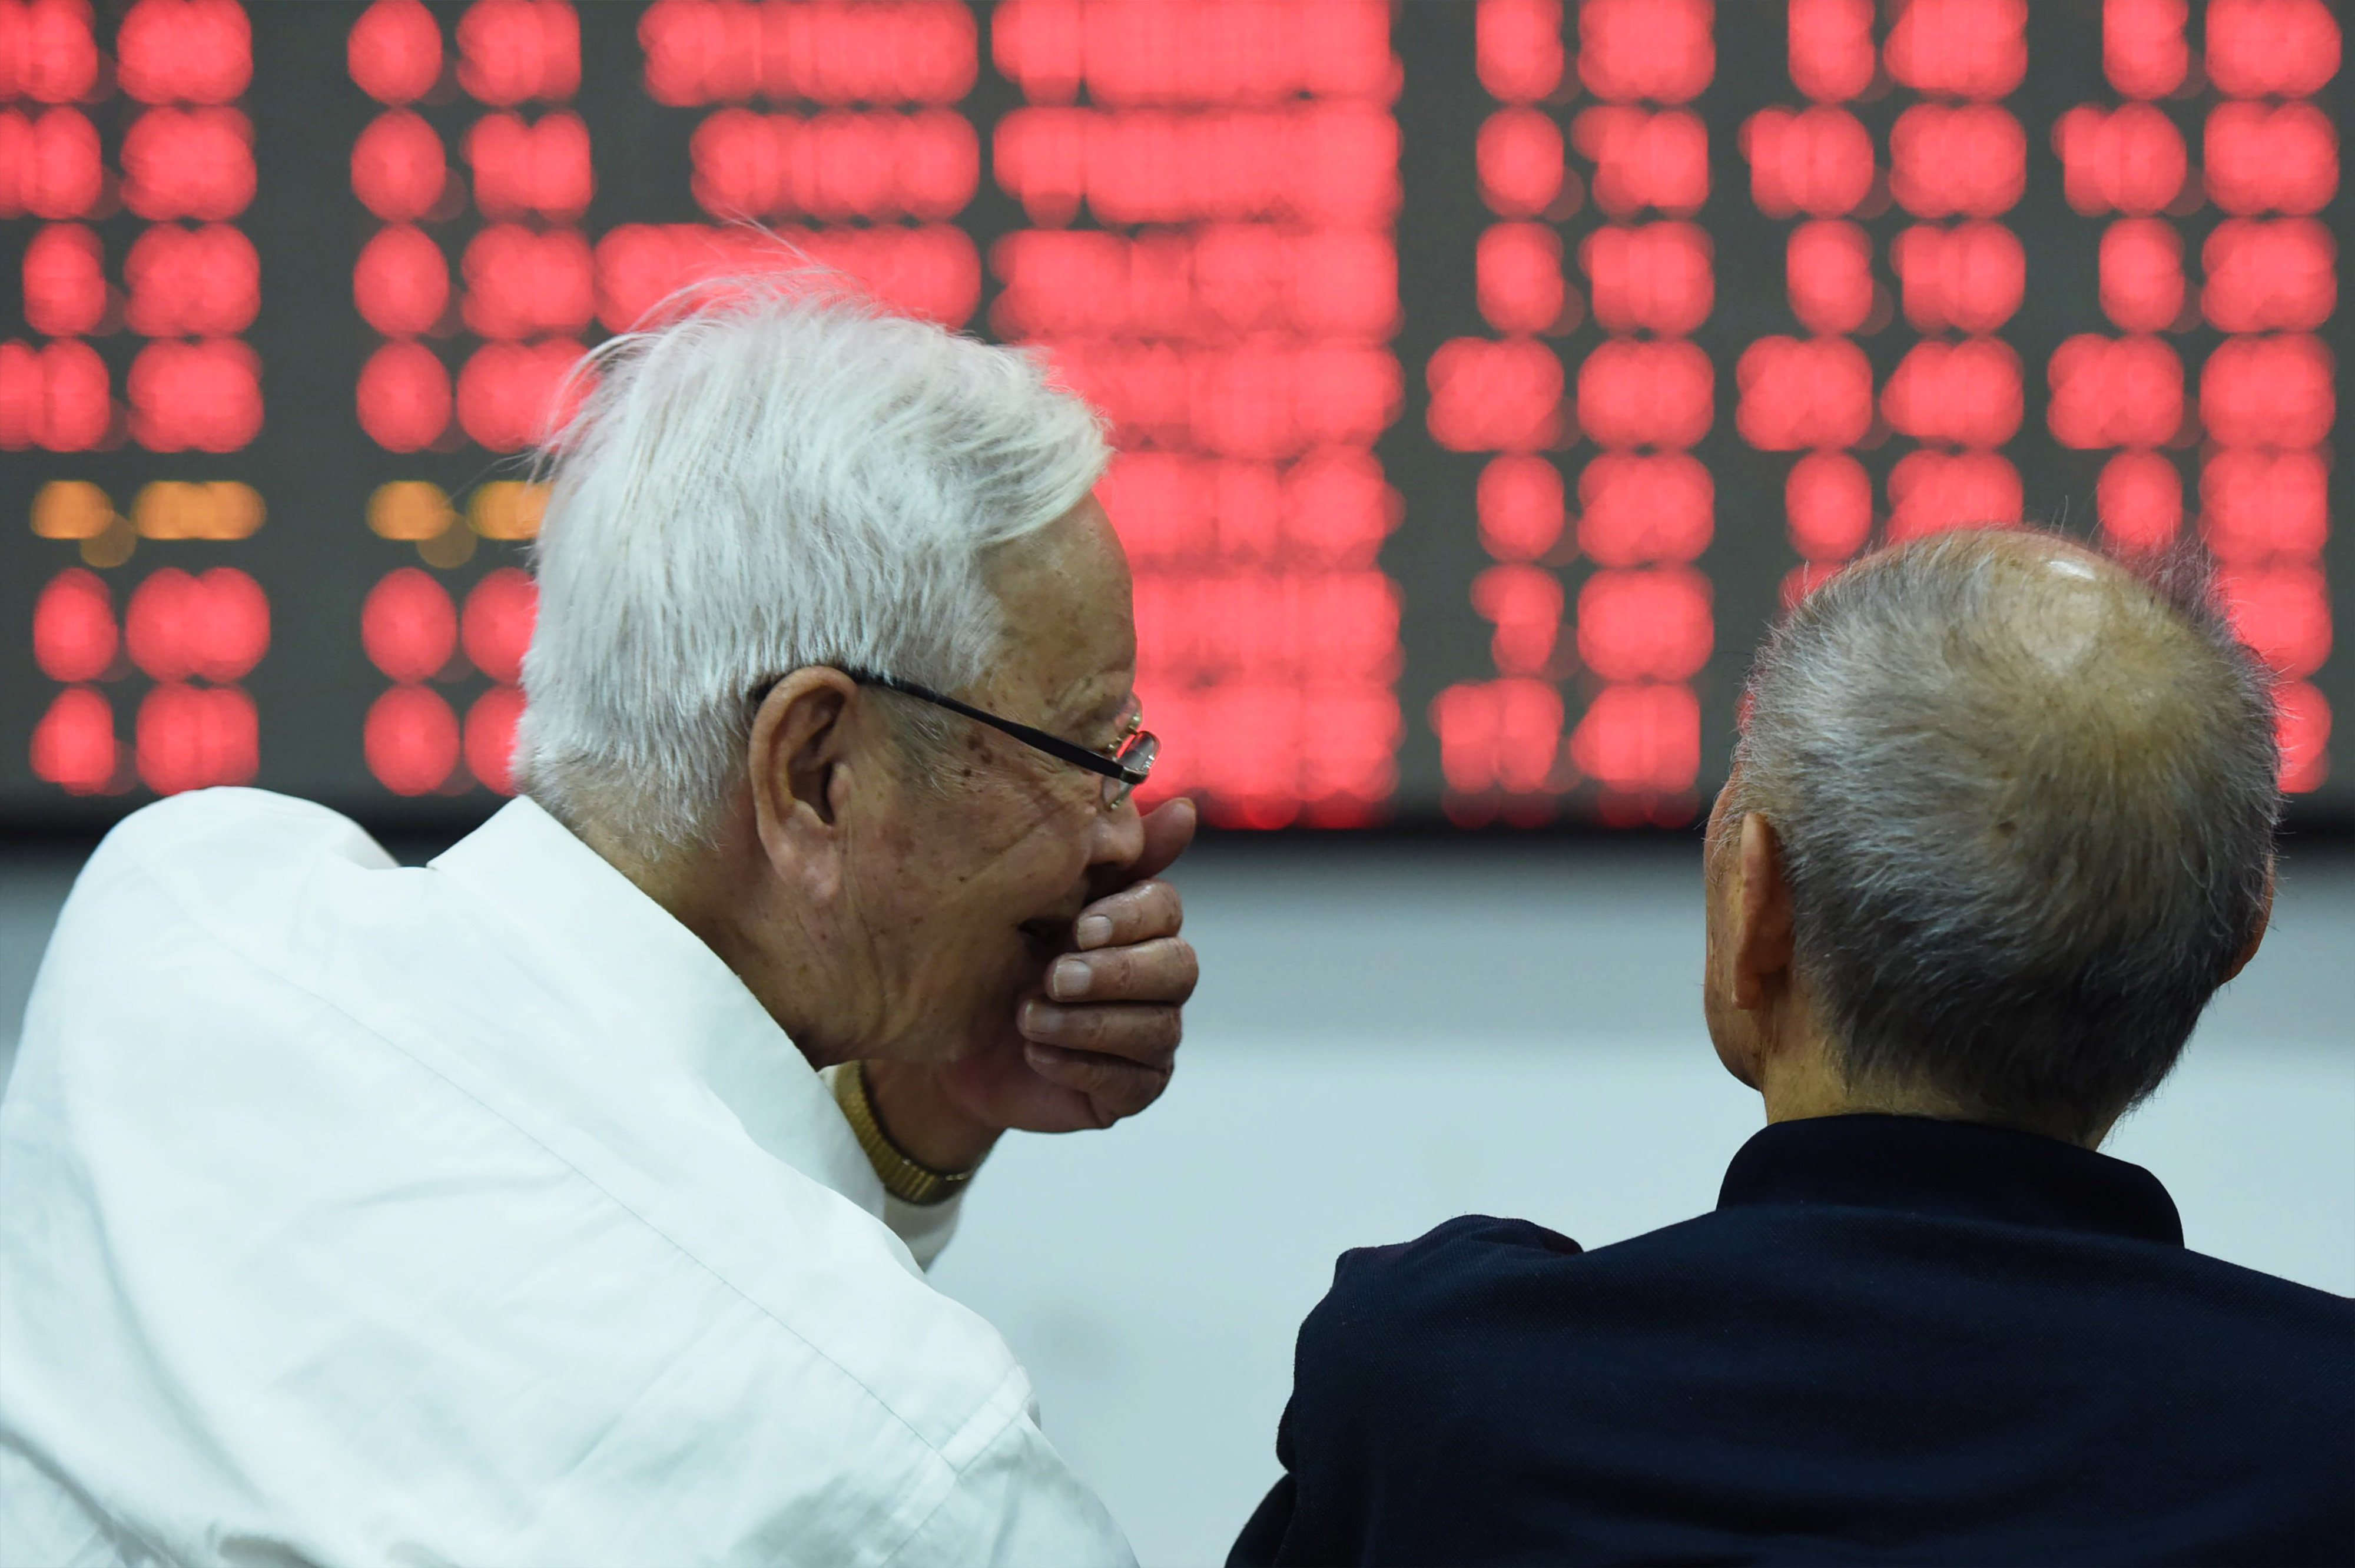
{"x": 1070, "y": 627}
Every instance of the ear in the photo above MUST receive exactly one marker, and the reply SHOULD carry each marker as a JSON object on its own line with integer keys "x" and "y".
{"x": 800, "y": 767}
{"x": 2265, "y": 919}
{"x": 1761, "y": 917}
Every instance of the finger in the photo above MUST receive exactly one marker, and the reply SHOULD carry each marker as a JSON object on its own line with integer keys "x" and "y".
{"x": 1168, "y": 828}
{"x": 1133, "y": 914}
{"x": 1137, "y": 1031}
{"x": 1162, "y": 970}
{"x": 1114, "y": 1088}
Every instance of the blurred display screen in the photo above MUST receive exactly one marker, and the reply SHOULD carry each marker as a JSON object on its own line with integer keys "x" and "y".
{"x": 1485, "y": 375}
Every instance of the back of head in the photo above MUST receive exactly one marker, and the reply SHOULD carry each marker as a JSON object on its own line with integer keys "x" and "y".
{"x": 786, "y": 476}
{"x": 2026, "y": 801}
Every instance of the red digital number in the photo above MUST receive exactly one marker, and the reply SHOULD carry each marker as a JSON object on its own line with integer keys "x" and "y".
{"x": 1969, "y": 278}
{"x": 895, "y": 51}
{"x": 49, "y": 165}
{"x": 1817, "y": 161}
{"x": 2142, "y": 274}
{"x": 515, "y": 395}
{"x": 398, "y": 169}
{"x": 1643, "y": 159}
{"x": 1525, "y": 603}
{"x": 192, "y": 282}
{"x": 1948, "y": 160}
{"x": 74, "y": 745}
{"x": 1632, "y": 393}
{"x": 2277, "y": 158}
{"x": 402, "y": 282}
{"x": 410, "y": 739}
{"x": 215, "y": 625}
{"x": 192, "y": 737}
{"x": 74, "y": 634}
{"x": 1831, "y": 48}
{"x": 2140, "y": 499}
{"x": 2282, "y": 611}
{"x": 523, "y": 167}
{"x": 1967, "y": 393}
{"x": 2277, "y": 48}
{"x": 837, "y": 165}
{"x": 1498, "y": 734}
{"x": 1827, "y": 505}
{"x": 1656, "y": 277}
{"x": 47, "y": 52}
{"x": 1640, "y": 738}
{"x": 2254, "y": 504}
{"x": 188, "y": 163}
{"x": 526, "y": 282}
{"x": 1637, "y": 508}
{"x": 2273, "y": 276}
{"x": 394, "y": 51}
{"x": 55, "y": 397}
{"x": 2143, "y": 51}
{"x": 2268, "y": 391}
{"x": 1828, "y": 270}
{"x": 203, "y": 396}
{"x": 1519, "y": 160}
{"x": 1933, "y": 491}
{"x": 1659, "y": 49}
{"x": 1520, "y": 501}
{"x": 403, "y": 396}
{"x": 1495, "y": 397}
{"x": 1517, "y": 49}
{"x": 1797, "y": 393}
{"x": 184, "y": 51}
{"x": 64, "y": 281}
{"x": 2128, "y": 159}
{"x": 1519, "y": 274}
{"x": 512, "y": 50}
{"x": 1963, "y": 48}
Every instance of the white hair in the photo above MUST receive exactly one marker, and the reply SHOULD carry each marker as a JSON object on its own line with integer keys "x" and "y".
{"x": 786, "y": 476}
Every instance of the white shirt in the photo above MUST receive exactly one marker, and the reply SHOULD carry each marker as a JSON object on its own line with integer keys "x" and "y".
{"x": 471, "y": 1213}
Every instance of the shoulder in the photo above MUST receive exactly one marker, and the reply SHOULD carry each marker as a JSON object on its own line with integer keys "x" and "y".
{"x": 1452, "y": 1280}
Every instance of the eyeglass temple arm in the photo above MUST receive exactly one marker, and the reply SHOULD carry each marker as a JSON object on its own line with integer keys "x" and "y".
{"x": 1053, "y": 745}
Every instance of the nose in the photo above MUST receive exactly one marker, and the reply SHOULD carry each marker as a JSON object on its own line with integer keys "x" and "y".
{"x": 1119, "y": 837}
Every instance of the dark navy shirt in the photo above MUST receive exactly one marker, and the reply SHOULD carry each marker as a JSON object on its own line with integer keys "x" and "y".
{"x": 1895, "y": 1339}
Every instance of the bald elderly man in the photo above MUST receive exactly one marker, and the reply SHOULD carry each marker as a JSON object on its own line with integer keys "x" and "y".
{"x": 2000, "y": 824}
{"x": 497, "y": 1210}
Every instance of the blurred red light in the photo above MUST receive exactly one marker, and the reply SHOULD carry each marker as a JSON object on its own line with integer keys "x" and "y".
{"x": 215, "y": 625}
{"x": 196, "y": 737}
{"x": 1968, "y": 278}
{"x": 2283, "y": 613}
{"x": 1803, "y": 393}
{"x": 2254, "y": 504}
{"x": 1828, "y": 502}
{"x": 74, "y": 745}
{"x": 1638, "y": 739}
{"x": 2264, "y": 276}
{"x": 1645, "y": 160}
{"x": 498, "y": 621}
{"x": 1656, "y": 276}
{"x": 2268, "y": 391}
{"x": 1519, "y": 271}
{"x": 184, "y": 51}
{"x": 1331, "y": 509}
{"x": 410, "y": 739}
{"x": 2282, "y": 158}
{"x": 1632, "y": 393}
{"x": 397, "y": 167}
{"x": 2140, "y": 501}
{"x": 1517, "y": 47}
{"x": 188, "y": 163}
{"x": 1659, "y": 49}
{"x": 1967, "y": 393}
{"x": 404, "y": 396}
{"x": 902, "y": 51}
{"x": 1827, "y": 268}
{"x": 394, "y": 51}
{"x": 65, "y": 283}
{"x": 1933, "y": 491}
{"x": 1947, "y": 161}
{"x": 2128, "y": 159}
{"x": 1495, "y": 397}
{"x": 2303, "y": 731}
{"x": 1519, "y": 159}
{"x": 54, "y": 397}
{"x": 49, "y": 165}
{"x": 1195, "y": 628}
{"x": 1831, "y": 48}
{"x": 2142, "y": 274}
{"x": 932, "y": 271}
{"x": 512, "y": 395}
{"x": 1637, "y": 508}
{"x": 47, "y": 52}
{"x": 2281, "y": 49}
{"x": 408, "y": 626}
{"x": 2115, "y": 391}
{"x": 525, "y": 283}
{"x": 192, "y": 282}
{"x": 837, "y": 165}
{"x": 511, "y": 50}
{"x": 203, "y": 396}
{"x": 402, "y": 283}
{"x": 1520, "y": 501}
{"x": 1654, "y": 624}
{"x": 1963, "y": 48}
{"x": 74, "y": 636}
{"x": 1817, "y": 161}
{"x": 522, "y": 168}
{"x": 1525, "y": 602}
{"x": 1266, "y": 397}
{"x": 1316, "y": 162}
{"x": 2143, "y": 50}
{"x": 491, "y": 735}
{"x": 1498, "y": 734}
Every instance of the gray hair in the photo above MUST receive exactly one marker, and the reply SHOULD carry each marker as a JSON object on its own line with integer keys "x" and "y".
{"x": 2026, "y": 804}
{"x": 786, "y": 476}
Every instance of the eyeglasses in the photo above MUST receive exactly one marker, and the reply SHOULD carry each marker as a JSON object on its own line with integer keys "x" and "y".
{"x": 1122, "y": 771}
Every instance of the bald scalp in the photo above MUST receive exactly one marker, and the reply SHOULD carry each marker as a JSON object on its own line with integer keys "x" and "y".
{"x": 2026, "y": 797}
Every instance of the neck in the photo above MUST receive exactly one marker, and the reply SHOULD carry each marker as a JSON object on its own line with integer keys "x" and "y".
{"x": 1804, "y": 1080}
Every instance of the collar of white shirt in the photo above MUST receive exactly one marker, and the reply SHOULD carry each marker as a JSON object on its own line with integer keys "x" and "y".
{"x": 662, "y": 987}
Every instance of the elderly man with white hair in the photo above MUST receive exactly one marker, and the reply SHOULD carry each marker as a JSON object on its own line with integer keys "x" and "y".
{"x": 568, "y": 1200}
